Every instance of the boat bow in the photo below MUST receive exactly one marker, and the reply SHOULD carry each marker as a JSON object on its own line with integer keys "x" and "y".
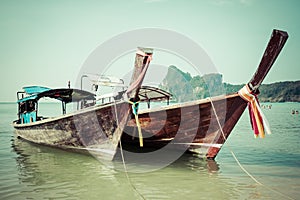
{"x": 250, "y": 91}
{"x": 142, "y": 61}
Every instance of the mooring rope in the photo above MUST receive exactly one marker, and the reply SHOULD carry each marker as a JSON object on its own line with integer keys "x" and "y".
{"x": 123, "y": 159}
{"x": 238, "y": 162}
{"x": 126, "y": 173}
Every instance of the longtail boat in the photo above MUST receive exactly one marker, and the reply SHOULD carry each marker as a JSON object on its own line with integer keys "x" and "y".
{"x": 200, "y": 126}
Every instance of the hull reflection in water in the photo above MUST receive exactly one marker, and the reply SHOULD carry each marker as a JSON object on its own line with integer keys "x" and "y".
{"x": 49, "y": 173}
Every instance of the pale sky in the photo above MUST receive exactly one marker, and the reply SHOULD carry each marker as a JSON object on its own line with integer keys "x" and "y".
{"x": 46, "y": 42}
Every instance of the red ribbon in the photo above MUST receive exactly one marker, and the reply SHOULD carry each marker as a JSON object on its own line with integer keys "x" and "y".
{"x": 258, "y": 120}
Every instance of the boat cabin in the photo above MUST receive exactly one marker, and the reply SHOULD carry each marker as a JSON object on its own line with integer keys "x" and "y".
{"x": 29, "y": 98}
{"x": 147, "y": 94}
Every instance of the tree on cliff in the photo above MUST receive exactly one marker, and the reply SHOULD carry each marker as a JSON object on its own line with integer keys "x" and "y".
{"x": 184, "y": 87}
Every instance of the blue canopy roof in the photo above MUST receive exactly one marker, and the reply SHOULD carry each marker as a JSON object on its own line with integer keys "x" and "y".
{"x": 35, "y": 89}
{"x": 66, "y": 95}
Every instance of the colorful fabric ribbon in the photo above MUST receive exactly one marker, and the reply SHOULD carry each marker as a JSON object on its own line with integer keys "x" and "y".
{"x": 135, "y": 107}
{"x": 137, "y": 83}
{"x": 258, "y": 120}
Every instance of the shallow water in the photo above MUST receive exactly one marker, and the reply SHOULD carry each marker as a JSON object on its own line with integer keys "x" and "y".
{"x": 30, "y": 171}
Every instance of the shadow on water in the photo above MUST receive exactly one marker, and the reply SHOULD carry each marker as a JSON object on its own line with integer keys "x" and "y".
{"x": 143, "y": 162}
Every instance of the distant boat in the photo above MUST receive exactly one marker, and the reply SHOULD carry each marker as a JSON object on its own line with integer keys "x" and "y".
{"x": 200, "y": 126}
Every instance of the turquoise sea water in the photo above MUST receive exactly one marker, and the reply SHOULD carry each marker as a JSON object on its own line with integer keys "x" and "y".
{"x": 29, "y": 171}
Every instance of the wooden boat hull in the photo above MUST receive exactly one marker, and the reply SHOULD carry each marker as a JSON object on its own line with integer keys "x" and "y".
{"x": 88, "y": 130}
{"x": 192, "y": 126}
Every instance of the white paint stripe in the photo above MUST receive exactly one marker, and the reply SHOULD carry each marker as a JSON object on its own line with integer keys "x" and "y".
{"x": 202, "y": 144}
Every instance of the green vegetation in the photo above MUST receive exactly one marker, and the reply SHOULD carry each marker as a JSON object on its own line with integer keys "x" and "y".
{"x": 184, "y": 87}
{"x": 288, "y": 91}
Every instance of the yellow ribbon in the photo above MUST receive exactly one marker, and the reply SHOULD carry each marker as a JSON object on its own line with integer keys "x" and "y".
{"x": 258, "y": 120}
{"x": 135, "y": 112}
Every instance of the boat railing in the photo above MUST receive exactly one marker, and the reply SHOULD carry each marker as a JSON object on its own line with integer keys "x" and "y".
{"x": 102, "y": 80}
{"x": 147, "y": 94}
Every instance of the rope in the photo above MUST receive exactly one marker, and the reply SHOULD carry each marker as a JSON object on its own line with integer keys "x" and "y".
{"x": 126, "y": 173}
{"x": 123, "y": 159}
{"x": 238, "y": 162}
{"x": 135, "y": 107}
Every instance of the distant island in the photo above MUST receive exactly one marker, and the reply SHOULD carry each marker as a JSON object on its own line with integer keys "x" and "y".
{"x": 184, "y": 87}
